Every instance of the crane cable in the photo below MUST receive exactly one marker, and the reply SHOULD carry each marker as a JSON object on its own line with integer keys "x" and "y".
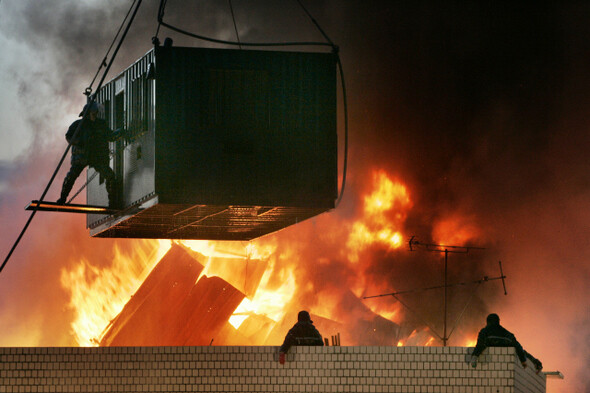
{"x": 344, "y": 101}
{"x": 218, "y": 41}
{"x": 92, "y": 98}
{"x": 345, "y": 108}
{"x": 335, "y": 51}
{"x": 161, "y": 8}
{"x": 103, "y": 63}
{"x": 233, "y": 17}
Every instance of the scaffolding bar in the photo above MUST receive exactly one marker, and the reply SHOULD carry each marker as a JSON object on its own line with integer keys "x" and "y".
{"x": 68, "y": 208}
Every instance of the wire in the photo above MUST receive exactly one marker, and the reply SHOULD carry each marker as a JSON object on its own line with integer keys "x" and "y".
{"x": 464, "y": 283}
{"x": 345, "y": 105}
{"x": 161, "y": 8}
{"x": 418, "y": 316}
{"x": 315, "y": 23}
{"x": 104, "y": 61}
{"x": 234, "y": 19}
{"x": 92, "y": 99}
{"x": 464, "y": 308}
{"x": 225, "y": 42}
{"x": 218, "y": 41}
{"x": 344, "y": 101}
{"x": 83, "y": 187}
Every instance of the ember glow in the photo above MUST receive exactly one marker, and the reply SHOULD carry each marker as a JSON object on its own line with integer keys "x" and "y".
{"x": 470, "y": 342}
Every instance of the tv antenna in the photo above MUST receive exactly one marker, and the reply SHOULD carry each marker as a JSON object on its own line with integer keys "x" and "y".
{"x": 414, "y": 245}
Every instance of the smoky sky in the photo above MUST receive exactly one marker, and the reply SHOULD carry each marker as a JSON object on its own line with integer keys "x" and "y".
{"x": 481, "y": 109}
{"x": 462, "y": 91}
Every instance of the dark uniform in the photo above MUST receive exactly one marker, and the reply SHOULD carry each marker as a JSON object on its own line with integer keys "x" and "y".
{"x": 302, "y": 333}
{"x": 494, "y": 335}
{"x": 90, "y": 147}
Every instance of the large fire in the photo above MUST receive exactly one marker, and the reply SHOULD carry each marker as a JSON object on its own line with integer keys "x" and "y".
{"x": 97, "y": 295}
{"x": 384, "y": 211}
{"x": 276, "y": 275}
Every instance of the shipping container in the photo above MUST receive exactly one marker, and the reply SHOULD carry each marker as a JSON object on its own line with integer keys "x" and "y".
{"x": 221, "y": 144}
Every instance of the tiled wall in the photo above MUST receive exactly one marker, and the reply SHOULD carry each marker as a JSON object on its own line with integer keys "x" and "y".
{"x": 256, "y": 369}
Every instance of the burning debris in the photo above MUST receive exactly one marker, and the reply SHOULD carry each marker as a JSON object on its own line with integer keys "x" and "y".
{"x": 199, "y": 293}
{"x": 174, "y": 306}
{"x": 178, "y": 305}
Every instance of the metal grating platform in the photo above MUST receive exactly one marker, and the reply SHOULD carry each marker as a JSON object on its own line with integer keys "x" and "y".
{"x": 164, "y": 221}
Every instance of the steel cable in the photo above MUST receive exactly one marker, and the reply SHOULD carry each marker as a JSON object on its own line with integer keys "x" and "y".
{"x": 104, "y": 61}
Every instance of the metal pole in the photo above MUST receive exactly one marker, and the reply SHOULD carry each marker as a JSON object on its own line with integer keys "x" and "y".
{"x": 445, "y": 338}
{"x": 446, "y": 248}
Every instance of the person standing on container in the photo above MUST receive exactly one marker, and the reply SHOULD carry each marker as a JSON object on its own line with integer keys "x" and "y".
{"x": 302, "y": 333}
{"x": 495, "y": 335}
{"x": 90, "y": 138}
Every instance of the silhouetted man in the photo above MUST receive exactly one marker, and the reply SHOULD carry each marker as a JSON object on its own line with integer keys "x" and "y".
{"x": 90, "y": 138}
{"x": 494, "y": 335}
{"x": 302, "y": 333}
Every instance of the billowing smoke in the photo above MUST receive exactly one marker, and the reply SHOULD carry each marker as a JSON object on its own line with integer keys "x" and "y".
{"x": 480, "y": 110}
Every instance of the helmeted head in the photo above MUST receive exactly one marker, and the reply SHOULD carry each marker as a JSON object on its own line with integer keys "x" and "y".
{"x": 493, "y": 319}
{"x": 303, "y": 316}
{"x": 92, "y": 107}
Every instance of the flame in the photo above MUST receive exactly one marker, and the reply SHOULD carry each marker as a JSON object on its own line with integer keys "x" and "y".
{"x": 456, "y": 230}
{"x": 418, "y": 337}
{"x": 386, "y": 196}
{"x": 389, "y": 314}
{"x": 268, "y": 302}
{"x": 265, "y": 270}
{"x": 98, "y": 294}
{"x": 384, "y": 213}
{"x": 469, "y": 342}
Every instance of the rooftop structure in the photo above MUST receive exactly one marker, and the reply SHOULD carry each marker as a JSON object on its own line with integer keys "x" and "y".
{"x": 256, "y": 369}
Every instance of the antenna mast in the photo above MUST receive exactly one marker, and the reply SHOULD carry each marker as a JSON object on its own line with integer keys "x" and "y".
{"x": 414, "y": 245}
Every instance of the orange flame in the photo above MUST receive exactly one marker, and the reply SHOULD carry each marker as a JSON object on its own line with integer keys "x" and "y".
{"x": 387, "y": 196}
{"x": 99, "y": 294}
{"x": 419, "y": 337}
{"x": 263, "y": 271}
{"x": 265, "y": 299}
{"x": 268, "y": 302}
{"x": 455, "y": 230}
{"x": 384, "y": 213}
{"x": 469, "y": 342}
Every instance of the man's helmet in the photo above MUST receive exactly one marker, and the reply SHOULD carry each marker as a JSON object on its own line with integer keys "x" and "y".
{"x": 493, "y": 319}
{"x": 303, "y": 316}
{"x": 93, "y": 108}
